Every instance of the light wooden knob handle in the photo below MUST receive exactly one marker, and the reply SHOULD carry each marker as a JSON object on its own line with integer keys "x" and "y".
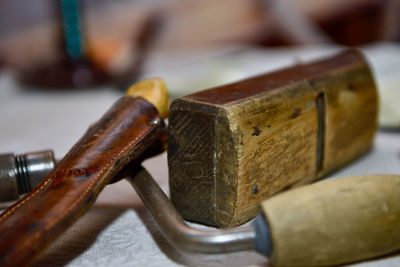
{"x": 153, "y": 90}
{"x": 335, "y": 221}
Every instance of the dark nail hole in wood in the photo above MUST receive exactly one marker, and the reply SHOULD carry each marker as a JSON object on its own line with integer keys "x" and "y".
{"x": 254, "y": 190}
{"x": 256, "y": 131}
{"x": 296, "y": 113}
{"x": 351, "y": 87}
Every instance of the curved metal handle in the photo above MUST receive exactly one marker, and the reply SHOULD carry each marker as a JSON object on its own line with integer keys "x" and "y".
{"x": 177, "y": 231}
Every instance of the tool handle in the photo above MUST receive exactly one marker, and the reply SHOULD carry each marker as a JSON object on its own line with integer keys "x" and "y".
{"x": 119, "y": 137}
{"x": 335, "y": 221}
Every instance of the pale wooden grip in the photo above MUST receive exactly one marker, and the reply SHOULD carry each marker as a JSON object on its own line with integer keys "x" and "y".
{"x": 336, "y": 221}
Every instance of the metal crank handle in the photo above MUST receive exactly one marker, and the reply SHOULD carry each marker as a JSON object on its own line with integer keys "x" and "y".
{"x": 328, "y": 223}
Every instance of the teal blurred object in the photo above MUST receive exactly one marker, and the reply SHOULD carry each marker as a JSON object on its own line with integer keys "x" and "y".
{"x": 71, "y": 18}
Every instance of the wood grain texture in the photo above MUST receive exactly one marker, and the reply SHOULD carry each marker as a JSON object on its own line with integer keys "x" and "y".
{"x": 335, "y": 222}
{"x": 232, "y": 146}
{"x": 119, "y": 137}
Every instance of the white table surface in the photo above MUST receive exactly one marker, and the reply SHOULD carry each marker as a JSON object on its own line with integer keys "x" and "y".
{"x": 118, "y": 230}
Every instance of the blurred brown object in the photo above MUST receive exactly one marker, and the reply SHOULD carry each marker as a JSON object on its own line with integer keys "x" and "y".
{"x": 352, "y": 22}
{"x": 112, "y": 30}
{"x": 391, "y": 29}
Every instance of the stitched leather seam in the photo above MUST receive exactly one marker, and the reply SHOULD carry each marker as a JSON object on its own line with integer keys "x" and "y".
{"x": 3, "y": 217}
{"x": 95, "y": 179}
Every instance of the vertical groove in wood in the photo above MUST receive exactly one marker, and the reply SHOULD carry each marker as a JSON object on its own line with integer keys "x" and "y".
{"x": 350, "y": 114}
{"x": 320, "y": 101}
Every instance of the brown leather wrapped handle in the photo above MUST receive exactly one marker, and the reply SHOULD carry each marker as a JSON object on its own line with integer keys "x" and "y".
{"x": 119, "y": 137}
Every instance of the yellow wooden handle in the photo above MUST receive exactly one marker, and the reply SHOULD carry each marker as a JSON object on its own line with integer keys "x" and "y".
{"x": 335, "y": 221}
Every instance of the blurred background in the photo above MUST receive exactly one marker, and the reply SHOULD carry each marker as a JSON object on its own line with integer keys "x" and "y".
{"x": 115, "y": 39}
{"x": 80, "y": 44}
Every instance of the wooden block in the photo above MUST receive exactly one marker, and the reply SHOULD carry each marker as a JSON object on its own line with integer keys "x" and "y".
{"x": 232, "y": 146}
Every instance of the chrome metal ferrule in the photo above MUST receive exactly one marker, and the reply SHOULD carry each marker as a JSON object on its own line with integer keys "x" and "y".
{"x": 21, "y": 173}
